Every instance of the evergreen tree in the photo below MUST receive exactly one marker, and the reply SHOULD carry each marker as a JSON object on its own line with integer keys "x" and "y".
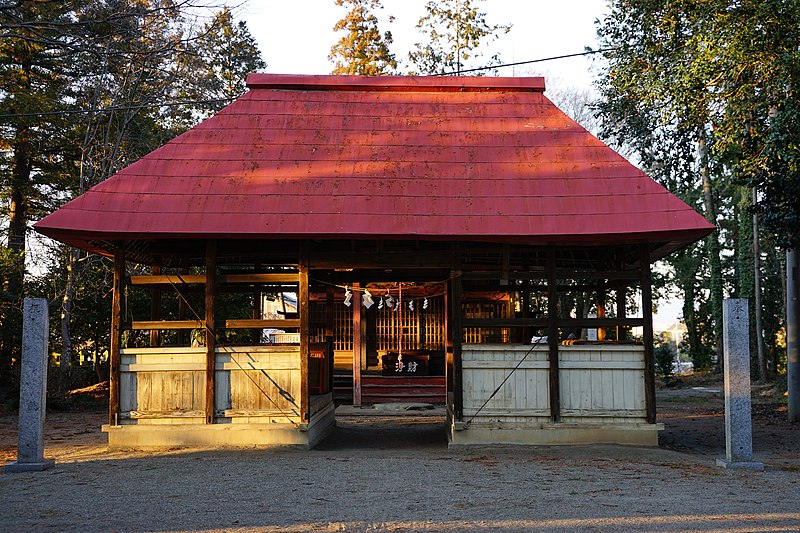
{"x": 214, "y": 71}
{"x": 704, "y": 94}
{"x": 363, "y": 50}
{"x": 455, "y": 32}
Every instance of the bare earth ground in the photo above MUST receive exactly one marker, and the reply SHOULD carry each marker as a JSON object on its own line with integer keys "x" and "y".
{"x": 384, "y": 471}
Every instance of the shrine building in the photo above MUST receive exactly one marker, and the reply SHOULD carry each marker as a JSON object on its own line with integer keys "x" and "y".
{"x": 330, "y": 239}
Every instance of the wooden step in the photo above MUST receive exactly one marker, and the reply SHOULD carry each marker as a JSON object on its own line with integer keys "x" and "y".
{"x": 391, "y": 389}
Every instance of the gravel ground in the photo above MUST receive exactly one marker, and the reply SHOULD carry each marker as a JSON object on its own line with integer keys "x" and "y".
{"x": 384, "y": 471}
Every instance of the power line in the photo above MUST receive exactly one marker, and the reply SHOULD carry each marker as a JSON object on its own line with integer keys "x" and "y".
{"x": 518, "y": 63}
{"x": 65, "y": 112}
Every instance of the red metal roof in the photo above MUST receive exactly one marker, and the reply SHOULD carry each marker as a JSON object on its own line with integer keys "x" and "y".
{"x": 396, "y": 157}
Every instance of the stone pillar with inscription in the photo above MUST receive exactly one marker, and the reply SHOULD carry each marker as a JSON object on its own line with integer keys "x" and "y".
{"x": 738, "y": 419}
{"x": 33, "y": 388}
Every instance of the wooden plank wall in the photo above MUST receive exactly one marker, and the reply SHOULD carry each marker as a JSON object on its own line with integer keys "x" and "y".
{"x": 259, "y": 384}
{"x": 602, "y": 385}
{"x": 598, "y": 385}
{"x": 167, "y": 385}
{"x": 163, "y": 385}
{"x": 522, "y": 401}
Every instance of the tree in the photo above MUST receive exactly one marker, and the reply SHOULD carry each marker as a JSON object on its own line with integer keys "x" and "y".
{"x": 86, "y": 90}
{"x": 656, "y": 99}
{"x": 213, "y": 71}
{"x": 719, "y": 76}
{"x": 363, "y": 50}
{"x": 455, "y": 32}
{"x": 33, "y": 85}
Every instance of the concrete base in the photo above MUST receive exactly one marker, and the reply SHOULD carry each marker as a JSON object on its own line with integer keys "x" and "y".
{"x": 162, "y": 436}
{"x": 29, "y": 467}
{"x": 744, "y": 465}
{"x": 557, "y": 434}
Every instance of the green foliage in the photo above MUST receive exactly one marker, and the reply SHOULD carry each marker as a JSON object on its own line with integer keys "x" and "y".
{"x": 455, "y": 32}
{"x": 363, "y": 50}
{"x": 118, "y": 62}
{"x": 702, "y": 95}
{"x": 214, "y": 71}
{"x": 664, "y": 355}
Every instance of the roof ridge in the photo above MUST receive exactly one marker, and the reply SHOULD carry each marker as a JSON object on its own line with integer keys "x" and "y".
{"x": 325, "y": 82}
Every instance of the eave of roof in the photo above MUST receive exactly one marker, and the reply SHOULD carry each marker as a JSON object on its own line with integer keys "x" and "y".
{"x": 325, "y": 157}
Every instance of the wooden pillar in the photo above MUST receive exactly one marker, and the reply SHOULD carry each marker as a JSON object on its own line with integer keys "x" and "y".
{"x": 183, "y": 334}
{"x": 305, "y": 332}
{"x": 330, "y": 326}
{"x": 211, "y": 342}
{"x": 155, "y": 309}
{"x": 621, "y": 312}
{"x": 527, "y": 332}
{"x": 647, "y": 338}
{"x": 601, "y": 308}
{"x": 357, "y": 341}
{"x": 448, "y": 340}
{"x": 116, "y": 335}
{"x": 552, "y": 335}
{"x": 457, "y": 332}
{"x": 257, "y": 309}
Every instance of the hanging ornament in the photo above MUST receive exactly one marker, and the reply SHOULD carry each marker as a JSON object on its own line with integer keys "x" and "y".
{"x": 380, "y": 304}
{"x": 347, "y": 296}
{"x": 366, "y": 299}
{"x": 411, "y": 305}
{"x": 389, "y": 300}
{"x": 425, "y": 303}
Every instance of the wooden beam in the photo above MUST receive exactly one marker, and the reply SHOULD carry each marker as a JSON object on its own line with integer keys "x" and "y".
{"x": 475, "y": 276}
{"x": 552, "y": 336}
{"x": 168, "y": 279}
{"x": 457, "y": 332}
{"x": 357, "y": 341}
{"x": 116, "y": 335}
{"x": 393, "y": 260}
{"x": 155, "y": 309}
{"x": 252, "y": 323}
{"x": 545, "y": 322}
{"x": 303, "y": 304}
{"x": 599, "y": 322}
{"x": 647, "y": 338}
{"x": 591, "y": 274}
{"x": 200, "y": 279}
{"x": 210, "y": 327}
{"x": 505, "y": 323}
{"x": 260, "y": 278}
{"x": 160, "y": 325}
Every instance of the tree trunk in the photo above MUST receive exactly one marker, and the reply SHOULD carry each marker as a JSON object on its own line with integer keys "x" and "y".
{"x": 793, "y": 333}
{"x": 763, "y": 371}
{"x": 66, "y": 314}
{"x": 18, "y": 210}
{"x": 690, "y": 319}
{"x": 712, "y": 245}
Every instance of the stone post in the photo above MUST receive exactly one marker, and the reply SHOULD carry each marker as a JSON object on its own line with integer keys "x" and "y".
{"x": 33, "y": 388}
{"x": 738, "y": 421}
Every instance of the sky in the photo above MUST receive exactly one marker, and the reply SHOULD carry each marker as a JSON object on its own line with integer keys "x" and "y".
{"x": 295, "y": 36}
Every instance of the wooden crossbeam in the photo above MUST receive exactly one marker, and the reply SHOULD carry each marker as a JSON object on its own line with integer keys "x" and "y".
{"x": 200, "y": 279}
